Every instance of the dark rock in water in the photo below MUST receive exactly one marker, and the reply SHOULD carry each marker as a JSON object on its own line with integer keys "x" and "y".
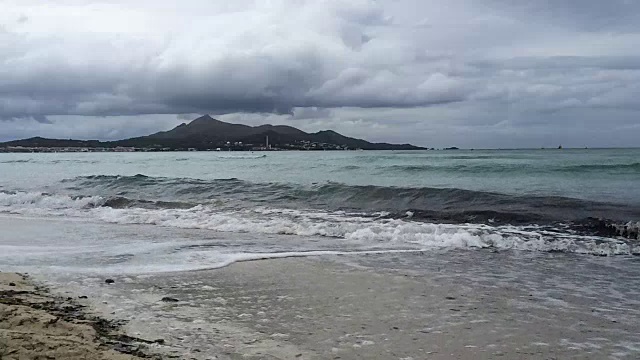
{"x": 159, "y": 341}
{"x": 12, "y": 284}
{"x": 450, "y": 298}
{"x": 169, "y": 299}
{"x": 82, "y": 297}
{"x": 109, "y": 281}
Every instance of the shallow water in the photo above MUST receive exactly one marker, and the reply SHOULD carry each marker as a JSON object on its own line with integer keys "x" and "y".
{"x": 354, "y": 302}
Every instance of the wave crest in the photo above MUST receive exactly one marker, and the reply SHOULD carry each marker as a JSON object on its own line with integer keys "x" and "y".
{"x": 427, "y": 203}
{"x": 374, "y": 231}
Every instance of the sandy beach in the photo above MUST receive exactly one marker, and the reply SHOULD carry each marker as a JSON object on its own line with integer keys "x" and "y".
{"x": 34, "y": 324}
{"x": 322, "y": 309}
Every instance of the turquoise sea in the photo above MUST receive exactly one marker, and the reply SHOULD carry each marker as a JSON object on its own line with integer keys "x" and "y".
{"x": 582, "y": 201}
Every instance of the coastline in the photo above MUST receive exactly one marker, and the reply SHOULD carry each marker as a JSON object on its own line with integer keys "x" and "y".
{"x": 319, "y": 308}
{"x": 36, "y": 324}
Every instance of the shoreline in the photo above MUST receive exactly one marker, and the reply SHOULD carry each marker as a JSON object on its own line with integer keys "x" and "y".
{"x": 377, "y": 306}
{"x": 34, "y": 323}
{"x": 317, "y": 308}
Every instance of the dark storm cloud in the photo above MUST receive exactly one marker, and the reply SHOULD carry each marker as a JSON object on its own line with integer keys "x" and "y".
{"x": 403, "y": 66}
{"x": 271, "y": 65}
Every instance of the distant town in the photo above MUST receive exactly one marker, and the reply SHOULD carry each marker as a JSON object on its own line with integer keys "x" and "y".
{"x": 227, "y": 146}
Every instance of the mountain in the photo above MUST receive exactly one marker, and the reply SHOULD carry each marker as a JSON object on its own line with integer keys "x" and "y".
{"x": 44, "y": 142}
{"x": 207, "y": 130}
{"x": 206, "y": 133}
{"x": 206, "y": 127}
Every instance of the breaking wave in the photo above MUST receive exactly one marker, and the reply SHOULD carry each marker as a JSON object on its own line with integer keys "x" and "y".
{"x": 426, "y": 203}
{"x": 376, "y": 230}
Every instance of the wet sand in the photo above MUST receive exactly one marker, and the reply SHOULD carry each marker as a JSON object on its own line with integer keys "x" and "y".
{"x": 321, "y": 309}
{"x": 34, "y": 324}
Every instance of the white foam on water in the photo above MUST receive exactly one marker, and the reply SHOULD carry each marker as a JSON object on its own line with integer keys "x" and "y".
{"x": 35, "y": 203}
{"x": 214, "y": 260}
{"x": 91, "y": 249}
{"x": 352, "y": 228}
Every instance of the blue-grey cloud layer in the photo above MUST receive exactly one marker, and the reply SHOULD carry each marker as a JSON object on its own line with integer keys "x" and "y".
{"x": 526, "y": 69}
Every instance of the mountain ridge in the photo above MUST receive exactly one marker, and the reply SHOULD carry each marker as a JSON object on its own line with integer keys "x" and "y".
{"x": 207, "y": 133}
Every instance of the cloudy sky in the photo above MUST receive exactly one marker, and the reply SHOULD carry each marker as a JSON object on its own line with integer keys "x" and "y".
{"x": 470, "y": 73}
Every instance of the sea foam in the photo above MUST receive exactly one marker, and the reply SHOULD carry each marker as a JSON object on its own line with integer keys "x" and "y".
{"x": 374, "y": 231}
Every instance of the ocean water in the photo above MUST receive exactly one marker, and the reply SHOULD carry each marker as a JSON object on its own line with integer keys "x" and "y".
{"x": 155, "y": 212}
{"x": 538, "y": 248}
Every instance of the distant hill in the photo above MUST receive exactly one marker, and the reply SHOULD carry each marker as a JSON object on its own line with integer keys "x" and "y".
{"x": 44, "y": 142}
{"x": 206, "y": 127}
{"x": 205, "y": 133}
